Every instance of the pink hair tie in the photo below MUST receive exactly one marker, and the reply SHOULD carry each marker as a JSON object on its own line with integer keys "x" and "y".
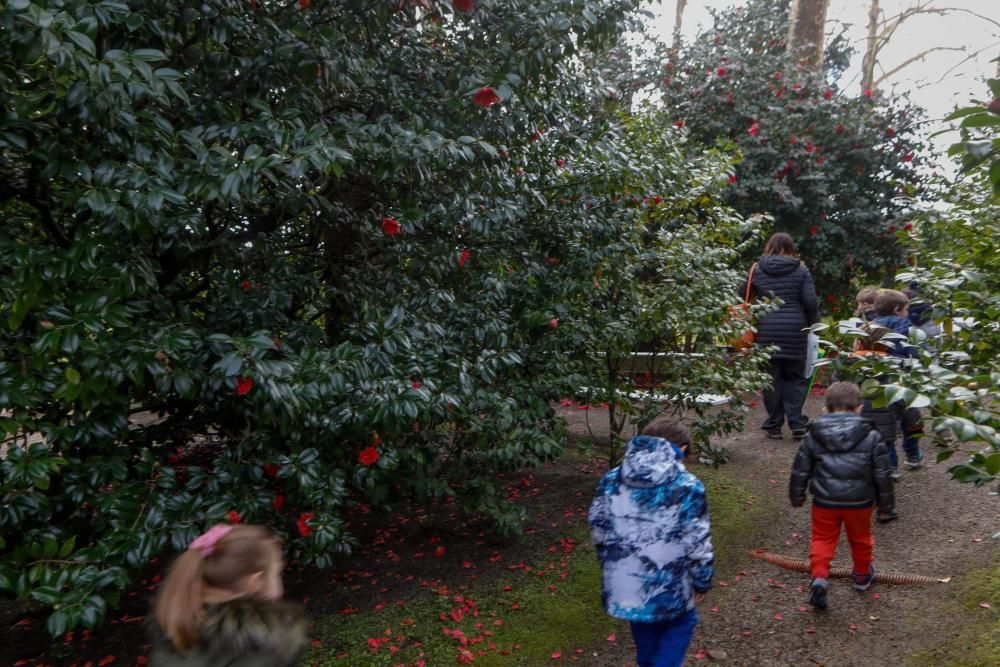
{"x": 206, "y": 543}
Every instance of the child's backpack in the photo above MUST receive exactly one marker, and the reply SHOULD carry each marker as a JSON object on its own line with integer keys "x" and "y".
{"x": 871, "y": 342}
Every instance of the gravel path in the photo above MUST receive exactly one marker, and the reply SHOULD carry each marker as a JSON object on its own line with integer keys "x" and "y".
{"x": 760, "y": 617}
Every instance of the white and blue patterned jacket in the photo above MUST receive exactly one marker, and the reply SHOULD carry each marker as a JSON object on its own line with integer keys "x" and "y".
{"x": 650, "y": 526}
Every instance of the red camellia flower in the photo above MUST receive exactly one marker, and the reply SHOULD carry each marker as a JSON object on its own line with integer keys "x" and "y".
{"x": 233, "y": 516}
{"x": 560, "y": 162}
{"x": 463, "y": 5}
{"x": 245, "y": 285}
{"x": 814, "y": 230}
{"x": 908, "y": 157}
{"x": 827, "y": 94}
{"x": 732, "y": 179}
{"x": 908, "y": 226}
{"x": 303, "y": 524}
{"x": 463, "y": 258}
{"x": 554, "y": 323}
{"x": 889, "y": 132}
{"x": 679, "y": 123}
{"x": 391, "y": 226}
{"x": 892, "y": 229}
{"x": 271, "y": 470}
{"x": 485, "y": 97}
{"x": 831, "y": 298}
{"x": 721, "y": 71}
{"x": 840, "y": 127}
{"x": 439, "y": 552}
{"x": 304, "y": 4}
{"x": 278, "y": 502}
{"x": 754, "y": 129}
{"x": 820, "y": 160}
{"x": 415, "y": 385}
{"x": 867, "y": 92}
{"x": 243, "y": 385}
{"x": 368, "y": 456}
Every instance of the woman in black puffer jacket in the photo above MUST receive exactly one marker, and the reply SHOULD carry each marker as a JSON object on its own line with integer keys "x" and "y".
{"x": 780, "y": 274}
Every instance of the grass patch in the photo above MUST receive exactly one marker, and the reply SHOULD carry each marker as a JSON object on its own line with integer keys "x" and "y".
{"x": 519, "y": 616}
{"x": 978, "y": 643}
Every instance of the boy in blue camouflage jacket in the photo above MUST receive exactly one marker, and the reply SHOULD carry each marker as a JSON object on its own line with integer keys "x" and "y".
{"x": 651, "y": 529}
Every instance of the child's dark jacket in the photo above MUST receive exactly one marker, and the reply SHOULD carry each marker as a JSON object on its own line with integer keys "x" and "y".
{"x": 245, "y": 632}
{"x": 844, "y": 463}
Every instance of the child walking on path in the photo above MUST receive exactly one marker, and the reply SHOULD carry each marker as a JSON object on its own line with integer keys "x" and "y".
{"x": 891, "y": 309}
{"x": 221, "y": 605}
{"x": 844, "y": 463}
{"x": 651, "y": 529}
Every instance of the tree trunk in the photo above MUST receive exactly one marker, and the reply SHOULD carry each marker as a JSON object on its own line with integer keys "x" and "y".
{"x": 806, "y": 28}
{"x": 678, "y": 22}
{"x": 871, "y": 50}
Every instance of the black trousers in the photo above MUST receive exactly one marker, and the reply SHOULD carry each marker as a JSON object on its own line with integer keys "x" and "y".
{"x": 787, "y": 394}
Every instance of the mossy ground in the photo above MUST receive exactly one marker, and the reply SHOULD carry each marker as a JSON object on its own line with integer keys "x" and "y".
{"x": 978, "y": 643}
{"x": 524, "y": 615}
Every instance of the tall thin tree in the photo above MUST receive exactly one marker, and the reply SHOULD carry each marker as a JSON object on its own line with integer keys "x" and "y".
{"x": 806, "y": 27}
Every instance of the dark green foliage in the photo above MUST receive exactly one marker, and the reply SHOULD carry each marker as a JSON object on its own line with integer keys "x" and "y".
{"x": 206, "y": 309}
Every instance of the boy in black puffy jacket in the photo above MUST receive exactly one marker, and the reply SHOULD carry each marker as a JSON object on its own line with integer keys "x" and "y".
{"x": 845, "y": 464}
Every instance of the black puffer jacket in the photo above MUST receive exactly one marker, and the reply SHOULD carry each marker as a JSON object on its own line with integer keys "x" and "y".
{"x": 245, "y": 632}
{"x": 845, "y": 464}
{"x": 788, "y": 279}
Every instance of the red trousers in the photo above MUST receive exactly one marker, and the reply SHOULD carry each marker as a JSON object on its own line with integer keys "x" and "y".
{"x": 826, "y": 524}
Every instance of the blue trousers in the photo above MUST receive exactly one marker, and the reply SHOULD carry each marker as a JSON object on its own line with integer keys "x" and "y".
{"x": 664, "y": 644}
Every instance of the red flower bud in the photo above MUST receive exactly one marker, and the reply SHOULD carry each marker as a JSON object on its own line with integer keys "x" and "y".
{"x": 463, "y": 258}
{"x": 465, "y": 6}
{"x": 485, "y": 97}
{"x": 754, "y": 129}
{"x": 303, "y": 524}
{"x": 554, "y": 323}
{"x": 867, "y": 92}
{"x": 721, "y": 71}
{"x": 278, "y": 502}
{"x": 368, "y": 456}
{"x": 233, "y": 516}
{"x": 889, "y": 132}
{"x": 391, "y": 226}
{"x": 246, "y": 286}
{"x": 243, "y": 385}
{"x": 827, "y": 94}
{"x": 679, "y": 123}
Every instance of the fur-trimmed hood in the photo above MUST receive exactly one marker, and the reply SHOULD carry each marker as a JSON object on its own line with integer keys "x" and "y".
{"x": 245, "y": 632}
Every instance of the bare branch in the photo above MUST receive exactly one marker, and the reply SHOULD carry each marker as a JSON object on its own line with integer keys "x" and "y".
{"x": 919, "y": 56}
{"x": 962, "y": 62}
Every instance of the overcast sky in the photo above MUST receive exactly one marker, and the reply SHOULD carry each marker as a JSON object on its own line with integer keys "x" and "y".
{"x": 938, "y": 83}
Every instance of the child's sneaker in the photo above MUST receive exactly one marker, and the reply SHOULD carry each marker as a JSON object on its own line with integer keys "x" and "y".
{"x": 886, "y": 517}
{"x": 775, "y": 434}
{"x": 863, "y": 581}
{"x": 817, "y": 594}
{"x": 914, "y": 461}
{"x": 894, "y": 475}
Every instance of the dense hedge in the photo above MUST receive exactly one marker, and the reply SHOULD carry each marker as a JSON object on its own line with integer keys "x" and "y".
{"x": 264, "y": 261}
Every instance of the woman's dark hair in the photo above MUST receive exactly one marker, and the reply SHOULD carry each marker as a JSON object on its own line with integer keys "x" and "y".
{"x": 668, "y": 429}
{"x": 780, "y": 244}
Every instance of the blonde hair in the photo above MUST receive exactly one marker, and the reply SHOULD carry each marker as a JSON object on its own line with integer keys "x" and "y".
{"x": 244, "y": 550}
{"x": 865, "y": 300}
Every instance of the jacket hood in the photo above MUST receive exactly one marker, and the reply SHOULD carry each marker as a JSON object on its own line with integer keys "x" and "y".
{"x": 649, "y": 462}
{"x": 893, "y": 322}
{"x": 249, "y": 626}
{"x": 840, "y": 431}
{"x": 778, "y": 265}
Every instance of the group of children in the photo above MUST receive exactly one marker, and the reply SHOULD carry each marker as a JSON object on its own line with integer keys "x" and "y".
{"x": 221, "y": 601}
{"x": 650, "y": 523}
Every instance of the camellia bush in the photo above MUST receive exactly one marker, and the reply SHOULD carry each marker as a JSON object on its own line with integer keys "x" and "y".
{"x": 838, "y": 170}
{"x": 265, "y": 261}
{"x": 956, "y": 265}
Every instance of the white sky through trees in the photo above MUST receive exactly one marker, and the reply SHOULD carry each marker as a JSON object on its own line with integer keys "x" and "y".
{"x": 938, "y": 83}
